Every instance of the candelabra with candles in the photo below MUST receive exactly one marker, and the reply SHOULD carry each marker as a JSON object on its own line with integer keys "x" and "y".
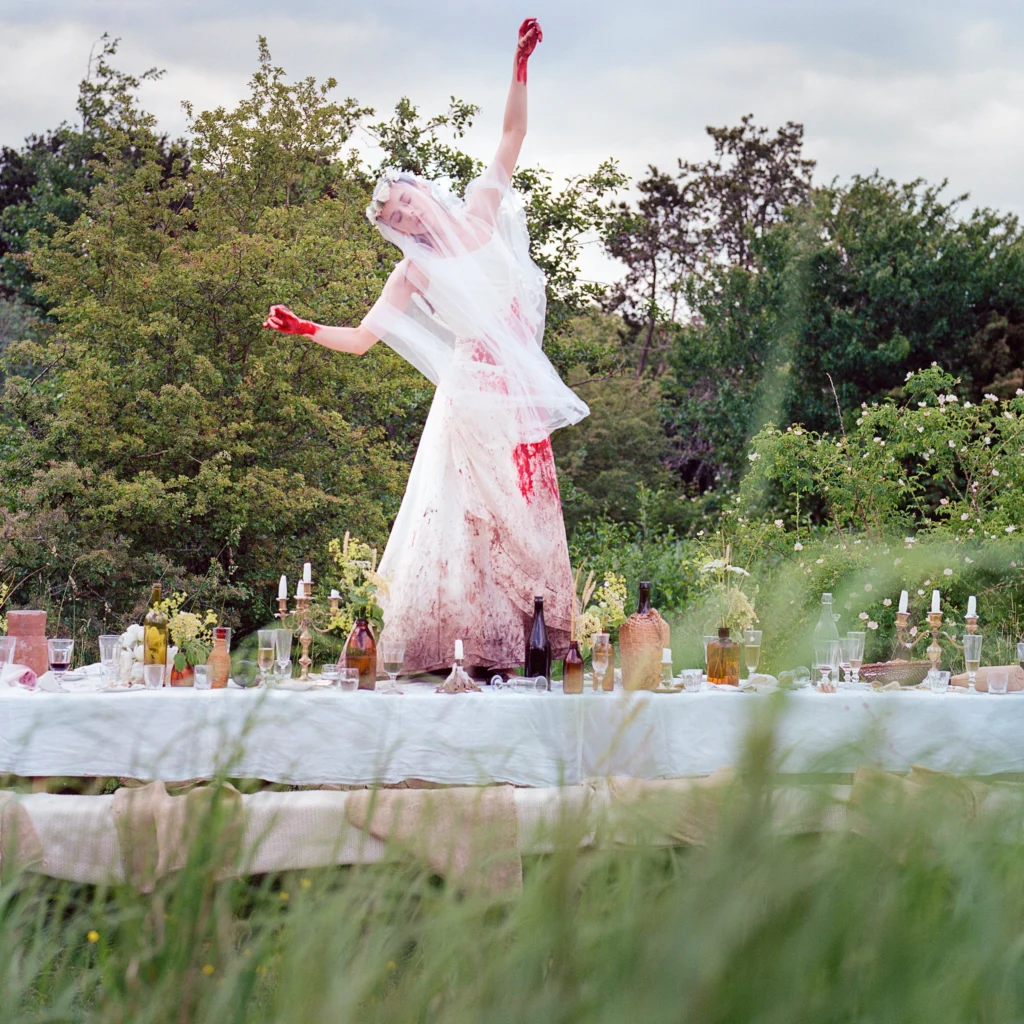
{"x": 305, "y": 616}
{"x": 934, "y": 650}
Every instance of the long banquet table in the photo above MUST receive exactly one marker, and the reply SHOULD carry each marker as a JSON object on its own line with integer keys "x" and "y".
{"x": 326, "y": 736}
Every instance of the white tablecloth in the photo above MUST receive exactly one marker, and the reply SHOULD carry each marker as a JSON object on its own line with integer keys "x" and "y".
{"x": 534, "y": 740}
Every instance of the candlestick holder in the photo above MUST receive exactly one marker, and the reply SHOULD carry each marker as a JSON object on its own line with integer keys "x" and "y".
{"x": 971, "y": 623}
{"x": 302, "y": 618}
{"x": 902, "y": 646}
{"x": 934, "y": 651}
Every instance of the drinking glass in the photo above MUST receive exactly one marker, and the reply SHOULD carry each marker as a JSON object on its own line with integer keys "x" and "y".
{"x": 60, "y": 657}
{"x": 348, "y": 679}
{"x": 329, "y": 672}
{"x": 847, "y": 656}
{"x": 693, "y": 680}
{"x": 938, "y": 682}
{"x": 998, "y": 680}
{"x": 972, "y": 658}
{"x": 7, "y": 645}
{"x": 1020, "y": 654}
{"x": 857, "y": 654}
{"x": 529, "y": 684}
{"x": 265, "y": 651}
{"x": 153, "y": 676}
{"x": 393, "y": 654}
{"x": 283, "y": 651}
{"x": 600, "y": 657}
{"x": 751, "y": 649}
{"x": 826, "y": 657}
{"x": 707, "y": 640}
{"x": 201, "y": 679}
{"x": 110, "y": 650}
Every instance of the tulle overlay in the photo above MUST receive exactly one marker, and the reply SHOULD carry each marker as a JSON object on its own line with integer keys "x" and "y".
{"x": 480, "y": 530}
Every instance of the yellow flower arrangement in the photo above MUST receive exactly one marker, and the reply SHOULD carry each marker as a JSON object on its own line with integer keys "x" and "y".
{"x": 189, "y": 632}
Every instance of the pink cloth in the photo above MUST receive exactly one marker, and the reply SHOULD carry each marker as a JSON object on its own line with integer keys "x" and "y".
{"x": 18, "y": 675}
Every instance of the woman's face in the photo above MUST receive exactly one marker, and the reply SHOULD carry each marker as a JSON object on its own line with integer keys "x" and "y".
{"x": 409, "y": 210}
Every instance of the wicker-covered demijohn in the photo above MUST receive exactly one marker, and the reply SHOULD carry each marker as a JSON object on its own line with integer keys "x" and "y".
{"x": 641, "y": 640}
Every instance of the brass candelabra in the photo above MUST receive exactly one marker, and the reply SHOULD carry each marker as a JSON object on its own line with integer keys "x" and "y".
{"x": 934, "y": 650}
{"x": 303, "y": 616}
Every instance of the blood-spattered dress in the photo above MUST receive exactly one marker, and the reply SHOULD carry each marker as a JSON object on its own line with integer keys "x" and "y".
{"x": 480, "y": 529}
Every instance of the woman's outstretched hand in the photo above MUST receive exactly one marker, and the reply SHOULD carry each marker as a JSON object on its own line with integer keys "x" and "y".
{"x": 281, "y": 318}
{"x": 529, "y": 36}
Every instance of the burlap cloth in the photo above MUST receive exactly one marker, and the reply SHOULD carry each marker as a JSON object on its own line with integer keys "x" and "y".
{"x": 470, "y": 837}
{"x": 1015, "y": 675}
{"x": 20, "y": 848}
{"x": 156, "y": 831}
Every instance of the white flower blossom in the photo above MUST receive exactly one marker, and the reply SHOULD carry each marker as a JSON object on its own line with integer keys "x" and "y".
{"x": 872, "y": 624}
{"x": 868, "y": 587}
{"x": 863, "y": 616}
{"x": 968, "y": 559}
{"x": 947, "y": 572}
{"x": 798, "y": 546}
{"x": 943, "y": 501}
{"x": 779, "y": 523}
{"x": 754, "y": 456}
{"x": 991, "y": 398}
{"x": 913, "y": 630}
{"x": 887, "y": 601}
{"x": 1010, "y": 529}
{"x": 819, "y": 561}
{"x": 995, "y": 472}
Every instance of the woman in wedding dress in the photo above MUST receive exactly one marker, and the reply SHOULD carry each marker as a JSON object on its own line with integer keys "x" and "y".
{"x": 480, "y": 529}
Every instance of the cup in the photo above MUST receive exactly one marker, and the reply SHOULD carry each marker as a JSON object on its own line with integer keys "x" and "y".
{"x": 110, "y": 651}
{"x": 153, "y": 676}
{"x": 329, "y": 673}
{"x": 998, "y": 680}
{"x": 348, "y": 679}
{"x": 7, "y": 645}
{"x": 693, "y": 680}
{"x": 201, "y": 679}
{"x": 938, "y": 682}
{"x": 59, "y": 652}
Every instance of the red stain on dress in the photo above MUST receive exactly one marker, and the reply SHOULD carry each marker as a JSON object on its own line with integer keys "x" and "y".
{"x": 535, "y": 459}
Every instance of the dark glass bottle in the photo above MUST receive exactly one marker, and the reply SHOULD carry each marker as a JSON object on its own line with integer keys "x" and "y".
{"x": 572, "y": 669}
{"x": 154, "y": 631}
{"x": 644, "y": 604}
{"x": 538, "y": 647}
{"x": 361, "y": 653}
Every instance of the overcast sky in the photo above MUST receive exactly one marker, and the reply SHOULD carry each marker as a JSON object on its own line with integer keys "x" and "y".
{"x": 933, "y": 90}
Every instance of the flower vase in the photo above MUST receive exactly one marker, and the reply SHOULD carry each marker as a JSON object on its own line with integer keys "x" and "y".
{"x": 724, "y": 659}
{"x": 361, "y": 653}
{"x": 183, "y": 676}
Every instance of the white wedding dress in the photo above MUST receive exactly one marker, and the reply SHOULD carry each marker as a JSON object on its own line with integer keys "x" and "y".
{"x": 480, "y": 529}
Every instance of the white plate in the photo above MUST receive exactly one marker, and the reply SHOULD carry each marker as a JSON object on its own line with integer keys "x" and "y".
{"x": 294, "y": 685}
{"x": 133, "y": 688}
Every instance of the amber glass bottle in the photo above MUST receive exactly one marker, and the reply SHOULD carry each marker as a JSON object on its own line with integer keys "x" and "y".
{"x": 724, "y": 659}
{"x": 572, "y": 669}
{"x": 361, "y": 653}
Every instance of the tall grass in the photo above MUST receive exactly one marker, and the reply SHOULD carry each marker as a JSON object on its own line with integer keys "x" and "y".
{"x": 918, "y": 915}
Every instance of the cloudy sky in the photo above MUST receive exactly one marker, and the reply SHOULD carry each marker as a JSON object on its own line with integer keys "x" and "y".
{"x": 911, "y": 89}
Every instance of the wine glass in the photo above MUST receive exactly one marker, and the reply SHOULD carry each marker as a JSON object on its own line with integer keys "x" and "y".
{"x": 110, "y": 649}
{"x": 265, "y": 652}
{"x": 751, "y": 649}
{"x": 847, "y": 653}
{"x": 972, "y": 658}
{"x": 283, "y": 652}
{"x": 857, "y": 654}
{"x": 59, "y": 652}
{"x": 393, "y": 654}
{"x": 826, "y": 657}
{"x": 600, "y": 657}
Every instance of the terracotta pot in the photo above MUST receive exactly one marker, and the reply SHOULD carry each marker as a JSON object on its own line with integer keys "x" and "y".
{"x": 29, "y": 627}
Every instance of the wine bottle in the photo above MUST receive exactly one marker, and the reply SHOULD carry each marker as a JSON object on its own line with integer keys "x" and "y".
{"x": 572, "y": 669}
{"x": 154, "y": 631}
{"x": 644, "y": 604}
{"x": 538, "y": 647}
{"x": 826, "y": 631}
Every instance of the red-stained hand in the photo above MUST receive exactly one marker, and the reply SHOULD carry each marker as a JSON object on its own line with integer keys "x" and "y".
{"x": 281, "y": 318}
{"x": 529, "y": 36}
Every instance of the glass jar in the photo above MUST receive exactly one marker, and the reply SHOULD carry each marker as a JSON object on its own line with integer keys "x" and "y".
{"x": 724, "y": 659}
{"x": 572, "y": 669}
{"x": 219, "y": 661}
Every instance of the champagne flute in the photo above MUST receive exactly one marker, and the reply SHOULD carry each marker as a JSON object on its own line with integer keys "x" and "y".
{"x": 857, "y": 655}
{"x": 972, "y": 658}
{"x": 751, "y": 649}
{"x": 826, "y": 657}
{"x": 600, "y": 657}
{"x": 847, "y": 651}
{"x": 283, "y": 651}
{"x": 265, "y": 652}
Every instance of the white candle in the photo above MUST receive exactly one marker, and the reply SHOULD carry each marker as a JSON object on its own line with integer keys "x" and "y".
{"x": 334, "y": 593}
{"x": 458, "y": 650}
{"x": 307, "y": 573}
{"x": 299, "y": 590}
{"x": 935, "y": 601}
{"x": 282, "y": 588}
{"x": 903, "y": 600}
{"x": 972, "y": 607}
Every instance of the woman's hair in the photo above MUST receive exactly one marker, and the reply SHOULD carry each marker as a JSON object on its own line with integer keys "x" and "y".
{"x": 382, "y": 192}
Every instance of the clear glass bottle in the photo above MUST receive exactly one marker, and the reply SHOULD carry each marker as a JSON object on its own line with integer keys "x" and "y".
{"x": 154, "y": 631}
{"x": 825, "y": 631}
{"x": 218, "y": 664}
